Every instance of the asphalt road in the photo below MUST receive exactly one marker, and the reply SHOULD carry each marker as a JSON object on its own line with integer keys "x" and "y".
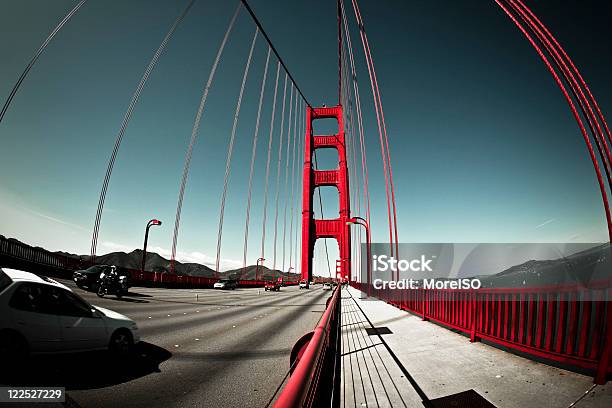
{"x": 200, "y": 348}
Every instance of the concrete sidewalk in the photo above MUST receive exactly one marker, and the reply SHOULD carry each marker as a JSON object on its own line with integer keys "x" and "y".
{"x": 443, "y": 363}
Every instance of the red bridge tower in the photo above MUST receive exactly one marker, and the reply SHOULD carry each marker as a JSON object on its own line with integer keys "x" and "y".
{"x": 337, "y": 228}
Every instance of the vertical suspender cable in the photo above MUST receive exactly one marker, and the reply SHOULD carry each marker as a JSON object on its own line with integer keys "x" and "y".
{"x": 124, "y": 125}
{"x": 41, "y": 49}
{"x": 571, "y": 63}
{"x": 384, "y": 145}
{"x": 585, "y": 135}
{"x": 253, "y": 155}
{"x": 322, "y": 216}
{"x": 362, "y": 145}
{"x": 278, "y": 167}
{"x": 230, "y": 150}
{"x": 194, "y": 135}
{"x": 298, "y": 182}
{"x": 583, "y": 102}
{"x": 297, "y": 139}
{"x": 265, "y": 206}
{"x": 289, "y": 141}
{"x": 559, "y": 58}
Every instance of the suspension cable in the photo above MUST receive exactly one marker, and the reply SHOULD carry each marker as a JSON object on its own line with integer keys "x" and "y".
{"x": 322, "y": 216}
{"x": 230, "y": 150}
{"x": 364, "y": 167}
{"x": 265, "y": 205}
{"x": 194, "y": 135}
{"x": 384, "y": 145}
{"x": 278, "y": 167}
{"x": 253, "y": 155}
{"x": 294, "y": 182}
{"x": 571, "y": 63}
{"x": 126, "y": 120}
{"x": 41, "y": 49}
{"x": 286, "y": 197}
{"x": 263, "y": 32}
{"x": 583, "y": 102}
{"x": 585, "y": 135}
{"x": 298, "y": 181}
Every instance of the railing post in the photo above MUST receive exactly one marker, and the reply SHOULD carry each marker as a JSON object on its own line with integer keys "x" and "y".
{"x": 603, "y": 366}
{"x": 474, "y": 313}
{"x": 424, "y": 318}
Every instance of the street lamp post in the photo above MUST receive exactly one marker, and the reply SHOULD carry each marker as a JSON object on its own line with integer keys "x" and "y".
{"x": 146, "y": 239}
{"x": 364, "y": 223}
{"x": 260, "y": 262}
{"x": 291, "y": 268}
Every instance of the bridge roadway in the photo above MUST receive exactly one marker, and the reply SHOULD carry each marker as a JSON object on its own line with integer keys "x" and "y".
{"x": 199, "y": 348}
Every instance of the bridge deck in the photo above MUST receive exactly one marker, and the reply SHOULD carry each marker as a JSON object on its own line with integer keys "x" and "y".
{"x": 444, "y": 363}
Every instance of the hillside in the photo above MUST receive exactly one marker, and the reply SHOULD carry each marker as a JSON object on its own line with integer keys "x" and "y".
{"x": 591, "y": 265}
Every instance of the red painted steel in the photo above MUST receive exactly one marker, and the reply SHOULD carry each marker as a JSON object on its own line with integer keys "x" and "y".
{"x": 563, "y": 323}
{"x": 302, "y": 386}
{"x": 337, "y": 228}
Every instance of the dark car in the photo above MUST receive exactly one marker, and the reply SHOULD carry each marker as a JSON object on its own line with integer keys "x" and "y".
{"x": 88, "y": 278}
{"x": 226, "y": 284}
{"x": 272, "y": 286}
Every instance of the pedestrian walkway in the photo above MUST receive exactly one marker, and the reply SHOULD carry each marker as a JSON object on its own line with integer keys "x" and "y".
{"x": 443, "y": 363}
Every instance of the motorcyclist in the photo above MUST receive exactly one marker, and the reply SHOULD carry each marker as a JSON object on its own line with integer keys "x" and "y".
{"x": 110, "y": 282}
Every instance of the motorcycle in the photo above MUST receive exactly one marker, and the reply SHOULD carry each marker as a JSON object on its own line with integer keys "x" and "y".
{"x": 111, "y": 283}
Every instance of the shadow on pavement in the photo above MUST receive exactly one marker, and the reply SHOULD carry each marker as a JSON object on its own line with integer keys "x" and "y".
{"x": 125, "y": 299}
{"x": 136, "y": 294}
{"x": 88, "y": 370}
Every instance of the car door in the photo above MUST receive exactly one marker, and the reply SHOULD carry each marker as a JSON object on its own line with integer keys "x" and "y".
{"x": 82, "y": 328}
{"x": 33, "y": 315}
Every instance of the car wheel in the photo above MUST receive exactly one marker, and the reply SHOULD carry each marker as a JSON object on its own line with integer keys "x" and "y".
{"x": 121, "y": 342}
{"x": 13, "y": 347}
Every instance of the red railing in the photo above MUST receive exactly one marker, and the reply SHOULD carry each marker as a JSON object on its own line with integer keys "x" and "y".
{"x": 313, "y": 381}
{"x": 162, "y": 279}
{"x": 566, "y": 324}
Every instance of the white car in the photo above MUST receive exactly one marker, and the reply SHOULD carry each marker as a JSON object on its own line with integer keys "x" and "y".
{"x": 303, "y": 284}
{"x": 225, "y": 284}
{"x": 40, "y": 315}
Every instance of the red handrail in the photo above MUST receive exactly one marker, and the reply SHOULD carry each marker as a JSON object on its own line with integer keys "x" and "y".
{"x": 566, "y": 324}
{"x": 303, "y": 383}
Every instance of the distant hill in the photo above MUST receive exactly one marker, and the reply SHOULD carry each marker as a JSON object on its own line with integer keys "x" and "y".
{"x": 157, "y": 263}
{"x": 582, "y": 267}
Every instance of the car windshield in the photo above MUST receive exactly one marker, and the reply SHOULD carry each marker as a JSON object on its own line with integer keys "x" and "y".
{"x": 96, "y": 268}
{"x": 4, "y": 280}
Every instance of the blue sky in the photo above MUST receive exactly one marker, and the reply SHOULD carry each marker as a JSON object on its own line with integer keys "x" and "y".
{"x": 484, "y": 146}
